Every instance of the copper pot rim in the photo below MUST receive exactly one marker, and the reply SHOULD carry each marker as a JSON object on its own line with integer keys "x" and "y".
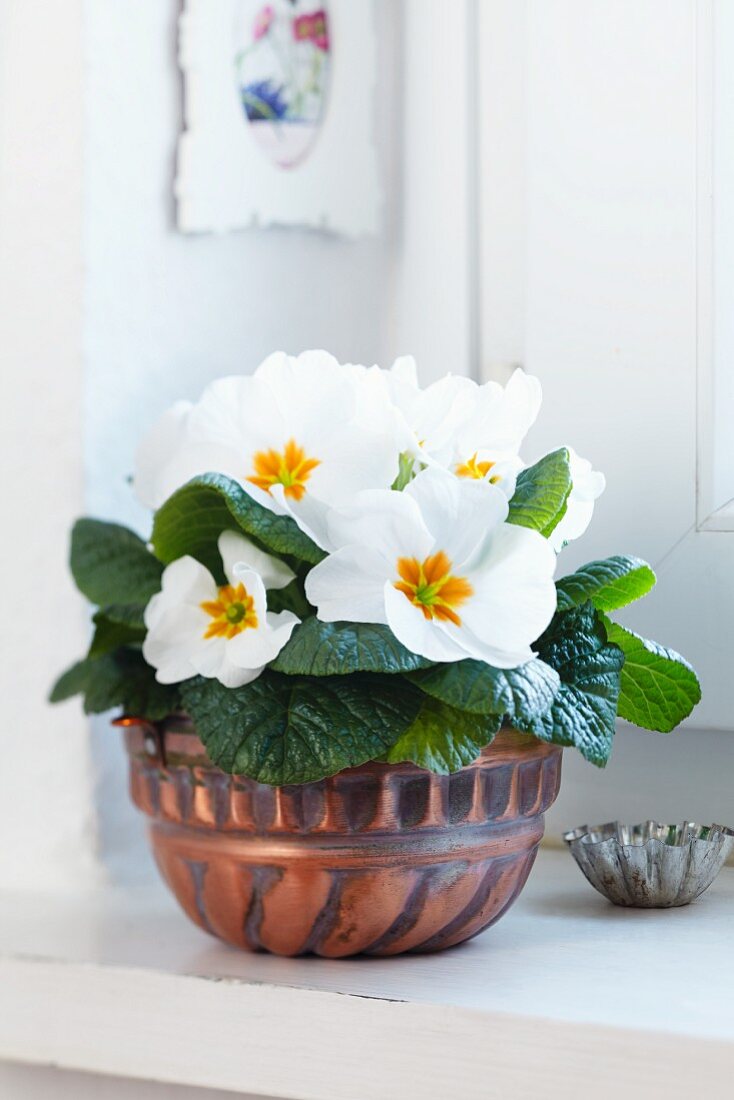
{"x": 184, "y": 747}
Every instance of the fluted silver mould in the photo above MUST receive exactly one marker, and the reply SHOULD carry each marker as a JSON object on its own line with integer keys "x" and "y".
{"x": 650, "y": 866}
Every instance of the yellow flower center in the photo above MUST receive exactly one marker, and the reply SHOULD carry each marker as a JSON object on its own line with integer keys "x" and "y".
{"x": 477, "y": 470}
{"x": 431, "y": 587}
{"x": 290, "y": 468}
{"x": 231, "y": 613}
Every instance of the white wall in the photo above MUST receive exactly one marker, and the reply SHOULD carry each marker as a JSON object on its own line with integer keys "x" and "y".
{"x": 433, "y": 307}
{"x": 45, "y": 779}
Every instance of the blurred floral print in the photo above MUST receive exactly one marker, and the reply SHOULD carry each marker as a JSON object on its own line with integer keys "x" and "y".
{"x": 282, "y": 69}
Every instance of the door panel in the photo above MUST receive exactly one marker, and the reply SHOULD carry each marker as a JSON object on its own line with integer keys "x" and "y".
{"x": 606, "y": 295}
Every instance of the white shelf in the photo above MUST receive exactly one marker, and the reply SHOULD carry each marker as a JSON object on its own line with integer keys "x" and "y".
{"x": 566, "y": 996}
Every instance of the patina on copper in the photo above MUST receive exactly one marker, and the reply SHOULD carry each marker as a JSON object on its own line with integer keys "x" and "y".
{"x": 379, "y": 859}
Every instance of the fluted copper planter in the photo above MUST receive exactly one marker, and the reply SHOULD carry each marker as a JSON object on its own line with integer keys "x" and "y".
{"x": 379, "y": 859}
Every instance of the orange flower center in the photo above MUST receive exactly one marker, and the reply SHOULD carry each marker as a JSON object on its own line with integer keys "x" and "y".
{"x": 431, "y": 587}
{"x": 477, "y": 470}
{"x": 231, "y": 613}
{"x": 290, "y": 468}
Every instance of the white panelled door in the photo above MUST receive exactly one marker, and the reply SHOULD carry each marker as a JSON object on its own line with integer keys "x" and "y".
{"x": 607, "y": 261}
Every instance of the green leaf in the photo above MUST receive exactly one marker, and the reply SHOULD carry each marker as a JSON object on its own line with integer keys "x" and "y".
{"x": 541, "y": 495}
{"x": 191, "y": 521}
{"x": 337, "y": 649}
{"x": 111, "y": 564}
{"x": 658, "y": 687}
{"x": 126, "y": 614}
{"x": 72, "y": 682}
{"x": 584, "y": 710}
{"x": 110, "y": 635}
{"x": 519, "y": 693}
{"x": 609, "y": 583}
{"x": 444, "y": 739}
{"x": 291, "y": 598}
{"x": 284, "y": 729}
{"x": 120, "y": 679}
{"x": 129, "y": 682}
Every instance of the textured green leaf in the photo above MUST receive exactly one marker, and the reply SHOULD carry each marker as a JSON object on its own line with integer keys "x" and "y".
{"x": 519, "y": 693}
{"x": 191, "y": 521}
{"x": 284, "y": 729}
{"x": 541, "y": 495}
{"x": 444, "y": 739}
{"x": 584, "y": 710}
{"x": 110, "y": 635}
{"x": 120, "y": 679}
{"x": 658, "y": 687}
{"x": 111, "y": 564}
{"x": 609, "y": 583}
{"x": 337, "y": 649}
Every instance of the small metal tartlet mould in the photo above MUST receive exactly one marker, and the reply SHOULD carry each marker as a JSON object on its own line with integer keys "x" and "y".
{"x": 650, "y": 866}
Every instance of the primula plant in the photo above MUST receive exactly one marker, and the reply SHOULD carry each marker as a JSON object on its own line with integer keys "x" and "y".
{"x": 345, "y": 567}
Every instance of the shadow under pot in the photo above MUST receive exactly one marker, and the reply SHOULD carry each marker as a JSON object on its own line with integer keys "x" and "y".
{"x": 380, "y": 859}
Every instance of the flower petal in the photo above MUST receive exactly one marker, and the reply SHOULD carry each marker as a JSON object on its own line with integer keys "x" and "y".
{"x": 171, "y": 642}
{"x": 348, "y": 585}
{"x": 351, "y": 459}
{"x": 438, "y": 413}
{"x": 385, "y": 521}
{"x": 239, "y": 413}
{"x": 458, "y": 512}
{"x": 213, "y": 661}
{"x": 587, "y": 487}
{"x": 236, "y": 550}
{"x": 404, "y": 370}
{"x": 254, "y": 587}
{"x": 256, "y": 648}
{"x": 311, "y": 515}
{"x": 523, "y": 398}
{"x": 501, "y": 417}
{"x": 302, "y": 386}
{"x": 514, "y": 594}
{"x": 184, "y": 581}
{"x": 493, "y": 655}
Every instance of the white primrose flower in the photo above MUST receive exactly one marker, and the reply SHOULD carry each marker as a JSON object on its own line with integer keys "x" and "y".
{"x": 474, "y": 431}
{"x": 438, "y": 565}
{"x": 487, "y": 443}
{"x": 298, "y": 429}
{"x": 383, "y": 394}
{"x": 588, "y": 485}
{"x": 225, "y": 632}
